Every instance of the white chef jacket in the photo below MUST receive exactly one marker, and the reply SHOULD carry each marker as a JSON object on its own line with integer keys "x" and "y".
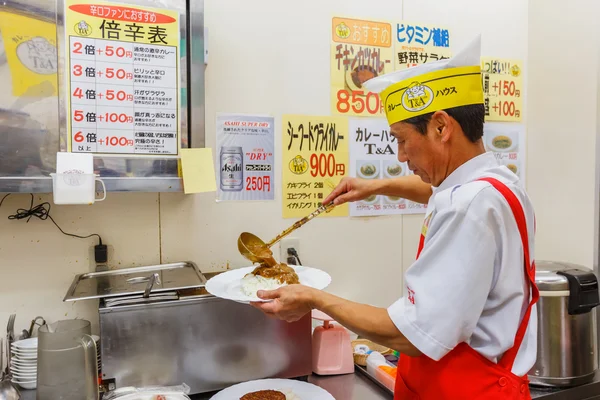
{"x": 469, "y": 284}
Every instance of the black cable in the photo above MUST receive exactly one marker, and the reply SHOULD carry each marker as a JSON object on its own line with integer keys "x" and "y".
{"x": 42, "y": 211}
{"x": 292, "y": 251}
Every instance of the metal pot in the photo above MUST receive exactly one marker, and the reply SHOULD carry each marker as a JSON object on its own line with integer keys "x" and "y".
{"x": 567, "y": 349}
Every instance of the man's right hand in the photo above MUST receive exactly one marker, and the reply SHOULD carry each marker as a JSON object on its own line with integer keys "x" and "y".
{"x": 351, "y": 189}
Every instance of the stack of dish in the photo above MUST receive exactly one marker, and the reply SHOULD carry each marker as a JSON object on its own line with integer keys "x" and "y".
{"x": 23, "y": 364}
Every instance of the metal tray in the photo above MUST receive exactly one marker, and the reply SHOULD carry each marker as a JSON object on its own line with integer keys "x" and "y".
{"x": 134, "y": 281}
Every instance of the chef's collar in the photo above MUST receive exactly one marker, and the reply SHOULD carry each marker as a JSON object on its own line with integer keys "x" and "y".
{"x": 469, "y": 171}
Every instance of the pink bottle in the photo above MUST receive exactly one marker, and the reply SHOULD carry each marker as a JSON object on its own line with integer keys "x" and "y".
{"x": 331, "y": 348}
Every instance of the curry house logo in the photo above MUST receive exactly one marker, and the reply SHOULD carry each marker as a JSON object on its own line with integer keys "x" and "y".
{"x": 342, "y": 31}
{"x": 82, "y": 28}
{"x": 515, "y": 70}
{"x": 417, "y": 97}
{"x": 298, "y": 165}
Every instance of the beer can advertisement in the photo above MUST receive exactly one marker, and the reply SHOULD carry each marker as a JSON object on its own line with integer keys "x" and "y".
{"x": 245, "y": 159}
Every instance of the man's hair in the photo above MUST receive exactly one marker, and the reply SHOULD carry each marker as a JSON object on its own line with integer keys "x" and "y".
{"x": 470, "y": 118}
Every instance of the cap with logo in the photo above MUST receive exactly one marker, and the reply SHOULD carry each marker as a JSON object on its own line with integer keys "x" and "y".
{"x": 431, "y": 87}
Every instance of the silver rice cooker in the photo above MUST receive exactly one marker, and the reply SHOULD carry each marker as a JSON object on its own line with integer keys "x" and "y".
{"x": 567, "y": 345}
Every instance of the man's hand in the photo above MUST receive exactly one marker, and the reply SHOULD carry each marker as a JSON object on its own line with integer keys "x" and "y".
{"x": 351, "y": 189}
{"x": 289, "y": 303}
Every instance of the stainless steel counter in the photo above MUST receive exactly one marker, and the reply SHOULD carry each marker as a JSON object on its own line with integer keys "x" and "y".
{"x": 358, "y": 387}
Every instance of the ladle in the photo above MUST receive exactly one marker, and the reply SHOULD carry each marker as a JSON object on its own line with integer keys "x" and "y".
{"x": 254, "y": 249}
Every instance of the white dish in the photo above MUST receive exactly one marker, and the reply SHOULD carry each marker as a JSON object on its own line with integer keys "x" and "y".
{"x": 513, "y": 138}
{"x": 374, "y": 163}
{"x": 301, "y": 390}
{"x": 24, "y": 363}
{"x": 393, "y": 201}
{"x": 25, "y": 357}
{"x": 228, "y": 285}
{"x": 391, "y": 164}
{"x": 370, "y": 200}
{"x": 29, "y": 385}
{"x": 25, "y": 377}
{"x": 25, "y": 344}
{"x": 23, "y": 370}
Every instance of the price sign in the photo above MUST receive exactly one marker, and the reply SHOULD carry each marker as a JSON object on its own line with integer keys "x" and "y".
{"x": 360, "y": 50}
{"x": 315, "y": 159}
{"x": 503, "y": 89}
{"x": 245, "y": 144}
{"x": 124, "y": 78}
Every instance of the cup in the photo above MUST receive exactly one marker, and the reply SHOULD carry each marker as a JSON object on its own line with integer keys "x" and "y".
{"x": 76, "y": 188}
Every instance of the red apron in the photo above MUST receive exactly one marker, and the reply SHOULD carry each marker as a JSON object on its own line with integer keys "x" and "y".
{"x": 464, "y": 374}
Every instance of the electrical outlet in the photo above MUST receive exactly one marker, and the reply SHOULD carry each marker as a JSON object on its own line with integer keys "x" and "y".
{"x": 285, "y": 244}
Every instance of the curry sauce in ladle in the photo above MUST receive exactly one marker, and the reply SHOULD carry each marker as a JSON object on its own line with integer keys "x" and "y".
{"x": 254, "y": 249}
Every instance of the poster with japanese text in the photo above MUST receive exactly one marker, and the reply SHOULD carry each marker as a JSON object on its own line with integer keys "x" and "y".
{"x": 502, "y": 88}
{"x": 507, "y": 142}
{"x": 124, "y": 78}
{"x": 416, "y": 44}
{"x": 374, "y": 155}
{"x": 245, "y": 157}
{"x": 314, "y": 161}
{"x": 360, "y": 50}
{"x": 29, "y": 45}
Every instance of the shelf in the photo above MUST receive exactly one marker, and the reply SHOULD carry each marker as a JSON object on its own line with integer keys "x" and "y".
{"x": 129, "y": 184}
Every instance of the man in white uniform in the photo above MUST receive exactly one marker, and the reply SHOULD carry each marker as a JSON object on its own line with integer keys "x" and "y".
{"x": 466, "y": 327}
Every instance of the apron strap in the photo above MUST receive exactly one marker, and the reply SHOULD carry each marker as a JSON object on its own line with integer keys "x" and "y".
{"x": 508, "y": 359}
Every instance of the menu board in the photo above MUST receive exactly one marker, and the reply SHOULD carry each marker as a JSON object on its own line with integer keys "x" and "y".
{"x": 124, "y": 78}
{"x": 374, "y": 155}
{"x": 417, "y": 44}
{"x": 315, "y": 159}
{"x": 360, "y": 50}
{"x": 502, "y": 88}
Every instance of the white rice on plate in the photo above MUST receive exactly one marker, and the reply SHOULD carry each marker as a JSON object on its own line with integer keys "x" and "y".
{"x": 253, "y": 283}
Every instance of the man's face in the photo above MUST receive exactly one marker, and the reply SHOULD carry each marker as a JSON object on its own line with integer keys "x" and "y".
{"x": 425, "y": 154}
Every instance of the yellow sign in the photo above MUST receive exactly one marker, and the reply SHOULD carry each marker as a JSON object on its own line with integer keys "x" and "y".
{"x": 315, "y": 158}
{"x": 503, "y": 89}
{"x": 122, "y": 78}
{"x": 417, "y": 44}
{"x": 433, "y": 91}
{"x": 30, "y": 46}
{"x": 198, "y": 170}
{"x": 360, "y": 50}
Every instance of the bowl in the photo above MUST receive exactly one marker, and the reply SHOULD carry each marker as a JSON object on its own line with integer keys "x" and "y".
{"x": 373, "y": 199}
{"x": 393, "y": 199}
{"x": 502, "y": 141}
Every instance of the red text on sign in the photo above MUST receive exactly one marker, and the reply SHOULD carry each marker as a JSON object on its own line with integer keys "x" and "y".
{"x": 258, "y": 183}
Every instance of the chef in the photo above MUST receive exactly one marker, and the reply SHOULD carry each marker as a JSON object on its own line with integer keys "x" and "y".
{"x": 466, "y": 326}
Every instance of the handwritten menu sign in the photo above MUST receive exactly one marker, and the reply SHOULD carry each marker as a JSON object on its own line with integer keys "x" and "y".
{"x": 503, "y": 89}
{"x": 124, "y": 78}
{"x": 417, "y": 44}
{"x": 374, "y": 155}
{"x": 360, "y": 50}
{"x": 315, "y": 159}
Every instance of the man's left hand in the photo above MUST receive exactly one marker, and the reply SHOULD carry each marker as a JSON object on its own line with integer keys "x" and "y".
{"x": 289, "y": 303}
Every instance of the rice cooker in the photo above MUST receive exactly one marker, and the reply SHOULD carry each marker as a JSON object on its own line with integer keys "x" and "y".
{"x": 567, "y": 346}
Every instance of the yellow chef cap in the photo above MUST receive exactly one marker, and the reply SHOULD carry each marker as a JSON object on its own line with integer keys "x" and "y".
{"x": 431, "y": 87}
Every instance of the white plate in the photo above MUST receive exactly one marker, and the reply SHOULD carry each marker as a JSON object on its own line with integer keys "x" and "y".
{"x": 29, "y": 385}
{"x": 25, "y": 357}
{"x": 373, "y": 163}
{"x": 514, "y": 138}
{"x": 228, "y": 285}
{"x": 302, "y": 390}
{"x": 392, "y": 163}
{"x": 26, "y": 344}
